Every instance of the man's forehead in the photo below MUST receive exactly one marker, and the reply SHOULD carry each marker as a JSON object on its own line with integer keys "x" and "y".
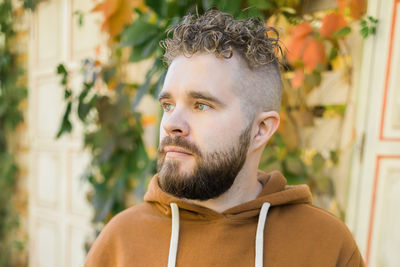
{"x": 203, "y": 73}
{"x": 205, "y": 64}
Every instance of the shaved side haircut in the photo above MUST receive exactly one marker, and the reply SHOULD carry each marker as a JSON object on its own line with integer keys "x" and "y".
{"x": 259, "y": 82}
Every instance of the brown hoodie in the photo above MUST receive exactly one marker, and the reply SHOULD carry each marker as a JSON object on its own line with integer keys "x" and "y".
{"x": 295, "y": 234}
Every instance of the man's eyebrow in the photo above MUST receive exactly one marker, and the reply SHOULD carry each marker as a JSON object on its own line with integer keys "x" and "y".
{"x": 164, "y": 95}
{"x": 205, "y": 96}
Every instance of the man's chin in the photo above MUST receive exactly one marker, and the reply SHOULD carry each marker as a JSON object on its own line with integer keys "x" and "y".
{"x": 176, "y": 175}
{"x": 178, "y": 166}
{"x": 186, "y": 162}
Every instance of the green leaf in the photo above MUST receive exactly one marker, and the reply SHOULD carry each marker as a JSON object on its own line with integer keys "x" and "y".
{"x": 334, "y": 156}
{"x": 260, "y": 4}
{"x": 251, "y": 12}
{"x": 372, "y": 20}
{"x": 294, "y": 165}
{"x": 143, "y": 52}
{"x": 312, "y": 80}
{"x": 318, "y": 163}
{"x": 83, "y": 110}
{"x": 333, "y": 53}
{"x": 150, "y": 48}
{"x": 80, "y": 17}
{"x": 141, "y": 91}
{"x": 364, "y": 32}
{"x": 172, "y": 10}
{"x": 67, "y": 93}
{"x": 159, "y": 84}
{"x": 139, "y": 33}
{"x": 3, "y": 108}
{"x": 343, "y": 32}
{"x": 270, "y": 160}
{"x": 102, "y": 203}
{"x": 66, "y": 126}
{"x": 61, "y": 69}
{"x": 86, "y": 88}
{"x": 207, "y": 4}
{"x": 368, "y": 26}
{"x": 230, "y": 6}
{"x": 142, "y": 159}
{"x": 325, "y": 184}
{"x": 109, "y": 73}
{"x": 158, "y": 6}
{"x": 31, "y": 4}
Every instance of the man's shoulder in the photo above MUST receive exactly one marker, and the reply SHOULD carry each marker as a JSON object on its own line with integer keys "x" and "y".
{"x": 317, "y": 222}
{"x": 133, "y": 221}
{"x": 134, "y": 215}
{"x": 323, "y": 218}
{"x": 312, "y": 215}
{"x": 129, "y": 228}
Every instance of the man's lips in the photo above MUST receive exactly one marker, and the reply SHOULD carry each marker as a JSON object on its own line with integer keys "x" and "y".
{"x": 176, "y": 151}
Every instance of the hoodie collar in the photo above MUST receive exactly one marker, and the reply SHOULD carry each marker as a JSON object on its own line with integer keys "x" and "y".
{"x": 275, "y": 191}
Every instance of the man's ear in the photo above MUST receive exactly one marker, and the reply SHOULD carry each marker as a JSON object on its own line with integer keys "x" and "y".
{"x": 267, "y": 124}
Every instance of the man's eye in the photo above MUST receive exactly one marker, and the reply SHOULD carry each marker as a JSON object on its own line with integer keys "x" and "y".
{"x": 167, "y": 107}
{"x": 202, "y": 107}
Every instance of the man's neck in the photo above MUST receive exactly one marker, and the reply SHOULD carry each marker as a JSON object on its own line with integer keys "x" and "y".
{"x": 246, "y": 187}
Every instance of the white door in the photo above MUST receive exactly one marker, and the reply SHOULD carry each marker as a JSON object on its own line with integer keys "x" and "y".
{"x": 374, "y": 202}
{"x": 59, "y": 215}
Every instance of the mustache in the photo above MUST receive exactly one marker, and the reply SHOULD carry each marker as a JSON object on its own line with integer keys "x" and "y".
{"x": 180, "y": 142}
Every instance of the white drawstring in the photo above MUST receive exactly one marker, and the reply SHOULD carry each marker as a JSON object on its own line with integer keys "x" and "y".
{"x": 260, "y": 234}
{"x": 173, "y": 246}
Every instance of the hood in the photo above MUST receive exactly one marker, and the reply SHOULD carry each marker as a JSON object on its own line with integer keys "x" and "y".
{"x": 275, "y": 191}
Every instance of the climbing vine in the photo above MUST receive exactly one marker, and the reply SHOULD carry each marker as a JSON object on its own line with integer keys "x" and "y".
{"x": 13, "y": 93}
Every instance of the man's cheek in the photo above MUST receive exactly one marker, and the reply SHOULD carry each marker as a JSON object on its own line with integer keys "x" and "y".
{"x": 162, "y": 133}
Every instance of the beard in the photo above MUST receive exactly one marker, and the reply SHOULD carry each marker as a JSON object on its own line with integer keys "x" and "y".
{"x": 213, "y": 174}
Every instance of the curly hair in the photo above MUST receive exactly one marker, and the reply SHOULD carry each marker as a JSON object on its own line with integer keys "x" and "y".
{"x": 219, "y": 33}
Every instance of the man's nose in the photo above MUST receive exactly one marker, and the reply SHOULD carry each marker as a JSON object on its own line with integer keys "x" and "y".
{"x": 175, "y": 123}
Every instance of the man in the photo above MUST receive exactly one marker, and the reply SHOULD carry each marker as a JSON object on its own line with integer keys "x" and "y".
{"x": 208, "y": 204}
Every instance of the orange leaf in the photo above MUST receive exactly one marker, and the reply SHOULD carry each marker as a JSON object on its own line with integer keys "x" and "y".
{"x": 331, "y": 23}
{"x": 283, "y": 121}
{"x": 305, "y": 48}
{"x": 97, "y": 50}
{"x": 148, "y": 120}
{"x": 314, "y": 53}
{"x": 288, "y": 131}
{"x": 302, "y": 30}
{"x": 117, "y": 14}
{"x": 297, "y": 79}
{"x": 108, "y": 7}
{"x": 297, "y": 43}
{"x": 342, "y": 4}
{"x": 357, "y": 7}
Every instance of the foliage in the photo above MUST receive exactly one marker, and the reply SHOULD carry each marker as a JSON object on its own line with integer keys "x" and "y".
{"x": 368, "y": 26}
{"x": 112, "y": 135}
{"x": 31, "y": 4}
{"x": 107, "y": 104}
{"x": 12, "y": 96}
{"x": 80, "y": 17}
{"x": 317, "y": 44}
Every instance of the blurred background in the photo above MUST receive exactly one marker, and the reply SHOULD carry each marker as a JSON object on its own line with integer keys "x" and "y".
{"x": 79, "y": 120}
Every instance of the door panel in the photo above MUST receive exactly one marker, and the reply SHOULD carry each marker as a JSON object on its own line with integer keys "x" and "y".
{"x": 59, "y": 214}
{"x": 375, "y": 183}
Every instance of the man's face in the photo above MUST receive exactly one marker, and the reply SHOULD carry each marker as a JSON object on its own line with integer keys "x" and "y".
{"x": 204, "y": 135}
